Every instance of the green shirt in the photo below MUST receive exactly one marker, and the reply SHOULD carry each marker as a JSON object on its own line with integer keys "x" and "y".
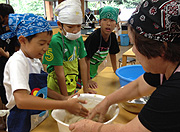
{"x": 55, "y": 56}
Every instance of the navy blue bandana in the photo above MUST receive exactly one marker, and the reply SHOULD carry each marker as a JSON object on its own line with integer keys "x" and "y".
{"x": 158, "y": 20}
{"x": 26, "y": 25}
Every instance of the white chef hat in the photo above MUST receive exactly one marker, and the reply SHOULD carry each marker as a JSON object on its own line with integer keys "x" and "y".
{"x": 69, "y": 12}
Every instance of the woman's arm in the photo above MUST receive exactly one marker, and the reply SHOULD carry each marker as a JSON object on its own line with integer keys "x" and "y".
{"x": 135, "y": 89}
{"x": 59, "y": 70}
{"x": 91, "y": 126}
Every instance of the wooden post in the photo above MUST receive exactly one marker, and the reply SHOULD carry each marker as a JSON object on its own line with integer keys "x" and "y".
{"x": 59, "y": 1}
{"x": 82, "y": 7}
{"x": 49, "y": 10}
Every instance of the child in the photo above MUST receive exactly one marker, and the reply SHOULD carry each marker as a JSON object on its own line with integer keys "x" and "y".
{"x": 101, "y": 42}
{"x": 7, "y": 47}
{"x": 65, "y": 49}
{"x": 24, "y": 78}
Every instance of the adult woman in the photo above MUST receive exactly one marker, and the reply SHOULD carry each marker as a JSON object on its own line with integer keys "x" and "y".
{"x": 154, "y": 29}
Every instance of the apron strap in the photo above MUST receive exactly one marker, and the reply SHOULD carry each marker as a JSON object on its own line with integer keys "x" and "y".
{"x": 64, "y": 45}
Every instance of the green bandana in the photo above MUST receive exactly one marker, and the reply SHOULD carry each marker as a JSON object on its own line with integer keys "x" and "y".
{"x": 109, "y": 12}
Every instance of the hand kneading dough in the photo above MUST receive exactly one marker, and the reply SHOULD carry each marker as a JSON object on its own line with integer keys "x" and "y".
{"x": 71, "y": 118}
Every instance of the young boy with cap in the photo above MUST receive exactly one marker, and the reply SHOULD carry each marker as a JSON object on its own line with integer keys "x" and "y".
{"x": 65, "y": 49}
{"x": 101, "y": 42}
{"x": 24, "y": 80}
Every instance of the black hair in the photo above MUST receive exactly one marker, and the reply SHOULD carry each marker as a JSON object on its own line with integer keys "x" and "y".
{"x": 152, "y": 48}
{"x": 5, "y": 9}
{"x": 29, "y": 38}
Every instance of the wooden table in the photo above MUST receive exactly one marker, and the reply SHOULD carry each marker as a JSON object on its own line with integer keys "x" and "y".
{"x": 128, "y": 53}
{"x": 84, "y": 36}
{"x": 108, "y": 82}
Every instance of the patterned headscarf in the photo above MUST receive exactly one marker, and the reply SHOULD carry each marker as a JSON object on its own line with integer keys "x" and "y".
{"x": 109, "y": 12}
{"x": 69, "y": 12}
{"x": 26, "y": 25}
{"x": 158, "y": 20}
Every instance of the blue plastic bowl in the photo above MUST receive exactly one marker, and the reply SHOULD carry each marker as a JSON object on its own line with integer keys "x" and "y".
{"x": 129, "y": 73}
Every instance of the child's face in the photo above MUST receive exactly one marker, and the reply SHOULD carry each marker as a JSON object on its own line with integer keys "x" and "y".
{"x": 71, "y": 28}
{"x": 107, "y": 25}
{"x": 37, "y": 46}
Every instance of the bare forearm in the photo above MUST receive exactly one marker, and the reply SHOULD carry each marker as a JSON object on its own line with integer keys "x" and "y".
{"x": 132, "y": 126}
{"x": 110, "y": 128}
{"x": 59, "y": 70}
{"x": 135, "y": 89}
{"x": 62, "y": 86}
{"x": 113, "y": 61}
{"x": 54, "y": 95}
{"x": 88, "y": 67}
{"x": 83, "y": 69}
{"x": 32, "y": 102}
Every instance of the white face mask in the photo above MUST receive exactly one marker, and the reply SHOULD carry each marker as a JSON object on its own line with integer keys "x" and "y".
{"x": 72, "y": 36}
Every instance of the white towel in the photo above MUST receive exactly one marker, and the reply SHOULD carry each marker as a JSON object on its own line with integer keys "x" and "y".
{"x": 69, "y": 12}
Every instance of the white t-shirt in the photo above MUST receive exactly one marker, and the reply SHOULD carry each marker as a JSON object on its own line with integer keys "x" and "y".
{"x": 16, "y": 74}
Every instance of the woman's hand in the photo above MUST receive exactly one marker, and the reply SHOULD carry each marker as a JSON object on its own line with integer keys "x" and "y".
{"x": 74, "y": 106}
{"x": 85, "y": 126}
{"x": 92, "y": 84}
{"x": 100, "y": 109}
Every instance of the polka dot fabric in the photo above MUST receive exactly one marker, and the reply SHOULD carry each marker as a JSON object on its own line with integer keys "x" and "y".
{"x": 158, "y": 20}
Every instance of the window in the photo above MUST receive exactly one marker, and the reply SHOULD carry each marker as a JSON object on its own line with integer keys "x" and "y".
{"x": 2, "y": 1}
{"x": 28, "y": 6}
{"x": 127, "y": 6}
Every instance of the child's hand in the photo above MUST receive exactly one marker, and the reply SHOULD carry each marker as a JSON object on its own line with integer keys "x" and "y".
{"x": 92, "y": 84}
{"x": 4, "y": 53}
{"x": 89, "y": 91}
{"x": 7, "y": 54}
{"x": 76, "y": 108}
{"x": 69, "y": 97}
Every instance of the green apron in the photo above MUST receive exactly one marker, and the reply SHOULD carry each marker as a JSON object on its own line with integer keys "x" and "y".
{"x": 70, "y": 71}
{"x": 98, "y": 58}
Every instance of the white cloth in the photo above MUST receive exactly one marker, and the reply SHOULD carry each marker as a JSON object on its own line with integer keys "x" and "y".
{"x": 119, "y": 22}
{"x": 69, "y": 12}
{"x": 118, "y": 32}
{"x": 16, "y": 74}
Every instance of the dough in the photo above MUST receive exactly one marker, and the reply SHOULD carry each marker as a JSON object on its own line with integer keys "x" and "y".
{"x": 71, "y": 118}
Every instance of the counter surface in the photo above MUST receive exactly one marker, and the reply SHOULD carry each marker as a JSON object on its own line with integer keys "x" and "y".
{"x": 107, "y": 82}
